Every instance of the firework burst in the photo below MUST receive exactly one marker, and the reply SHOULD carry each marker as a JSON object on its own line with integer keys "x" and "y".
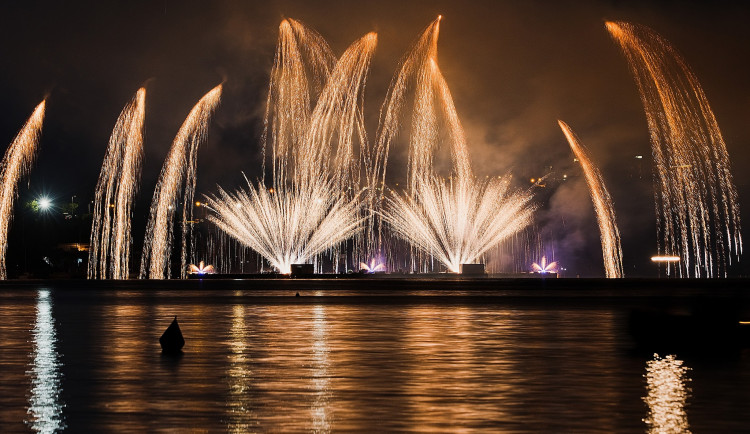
{"x": 286, "y": 226}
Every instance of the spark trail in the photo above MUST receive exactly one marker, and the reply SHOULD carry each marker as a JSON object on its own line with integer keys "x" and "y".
{"x": 697, "y": 208}
{"x": 605, "y": 212}
{"x": 118, "y": 183}
{"x": 16, "y": 164}
{"x": 178, "y": 174}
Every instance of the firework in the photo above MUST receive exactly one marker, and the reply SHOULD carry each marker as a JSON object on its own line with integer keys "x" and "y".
{"x": 201, "y": 268}
{"x": 372, "y": 267}
{"x": 696, "y": 199}
{"x": 287, "y": 226}
{"x": 543, "y": 267}
{"x": 412, "y": 65}
{"x": 118, "y": 183}
{"x": 455, "y": 220}
{"x": 16, "y": 164}
{"x": 177, "y": 174}
{"x": 314, "y": 200}
{"x": 605, "y": 212}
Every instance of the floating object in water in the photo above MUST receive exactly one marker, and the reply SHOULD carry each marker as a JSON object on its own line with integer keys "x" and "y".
{"x": 171, "y": 340}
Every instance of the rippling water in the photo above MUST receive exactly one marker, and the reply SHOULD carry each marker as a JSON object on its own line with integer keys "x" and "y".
{"x": 269, "y": 361}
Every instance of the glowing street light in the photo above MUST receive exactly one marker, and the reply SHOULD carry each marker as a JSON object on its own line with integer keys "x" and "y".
{"x": 667, "y": 259}
{"x": 44, "y": 203}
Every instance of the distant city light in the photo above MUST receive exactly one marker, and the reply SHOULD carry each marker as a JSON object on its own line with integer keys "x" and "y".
{"x": 665, "y": 259}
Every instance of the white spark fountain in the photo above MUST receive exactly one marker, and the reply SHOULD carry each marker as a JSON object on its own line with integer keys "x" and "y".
{"x": 667, "y": 389}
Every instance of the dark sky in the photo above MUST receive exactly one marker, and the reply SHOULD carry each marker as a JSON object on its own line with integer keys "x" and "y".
{"x": 513, "y": 67}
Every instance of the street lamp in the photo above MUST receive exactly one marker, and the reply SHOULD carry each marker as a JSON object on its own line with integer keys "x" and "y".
{"x": 44, "y": 203}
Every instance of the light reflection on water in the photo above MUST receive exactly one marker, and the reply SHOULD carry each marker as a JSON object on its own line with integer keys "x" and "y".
{"x": 285, "y": 365}
{"x": 320, "y": 380}
{"x": 667, "y": 393}
{"x": 240, "y": 376}
{"x": 45, "y": 407}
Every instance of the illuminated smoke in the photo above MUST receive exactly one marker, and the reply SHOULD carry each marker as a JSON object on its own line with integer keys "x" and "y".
{"x": 118, "y": 183}
{"x": 178, "y": 173}
{"x": 667, "y": 392}
{"x": 313, "y": 203}
{"x": 16, "y": 164}
{"x": 456, "y": 220}
{"x": 697, "y": 212}
{"x": 605, "y": 213}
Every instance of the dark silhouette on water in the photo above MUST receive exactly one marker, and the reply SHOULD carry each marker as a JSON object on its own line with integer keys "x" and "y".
{"x": 171, "y": 340}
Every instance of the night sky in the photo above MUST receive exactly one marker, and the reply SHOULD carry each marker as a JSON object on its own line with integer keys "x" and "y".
{"x": 514, "y": 69}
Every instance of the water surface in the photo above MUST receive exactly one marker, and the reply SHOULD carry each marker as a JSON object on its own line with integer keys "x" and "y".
{"x": 84, "y": 360}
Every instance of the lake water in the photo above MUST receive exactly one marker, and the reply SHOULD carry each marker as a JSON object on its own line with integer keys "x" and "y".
{"x": 90, "y": 361}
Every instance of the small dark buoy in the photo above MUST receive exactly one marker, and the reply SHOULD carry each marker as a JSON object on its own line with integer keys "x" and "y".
{"x": 172, "y": 341}
{"x": 297, "y": 295}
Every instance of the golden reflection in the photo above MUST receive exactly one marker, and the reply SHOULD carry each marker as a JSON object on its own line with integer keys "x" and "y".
{"x": 123, "y": 332}
{"x": 321, "y": 381}
{"x": 240, "y": 376}
{"x": 667, "y": 392}
{"x": 446, "y": 361}
{"x": 45, "y": 406}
